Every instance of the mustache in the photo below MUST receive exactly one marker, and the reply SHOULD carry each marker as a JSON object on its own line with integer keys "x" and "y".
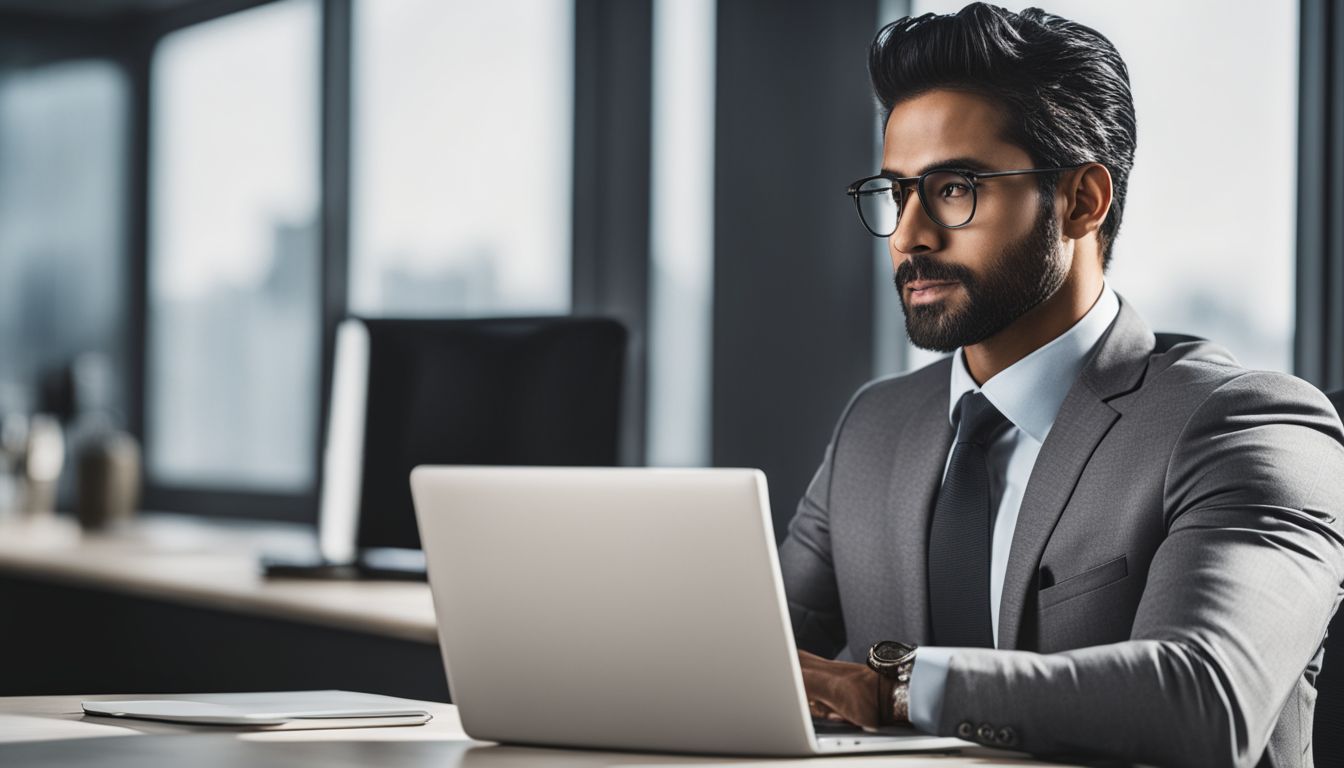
{"x": 927, "y": 268}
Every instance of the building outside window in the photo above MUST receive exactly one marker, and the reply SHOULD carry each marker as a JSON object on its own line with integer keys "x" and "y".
{"x": 462, "y": 140}
{"x": 234, "y": 324}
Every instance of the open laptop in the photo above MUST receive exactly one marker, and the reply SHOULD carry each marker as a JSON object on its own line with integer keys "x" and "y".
{"x": 637, "y": 609}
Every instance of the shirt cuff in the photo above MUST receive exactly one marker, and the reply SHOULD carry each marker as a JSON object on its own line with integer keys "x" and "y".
{"x": 927, "y": 681}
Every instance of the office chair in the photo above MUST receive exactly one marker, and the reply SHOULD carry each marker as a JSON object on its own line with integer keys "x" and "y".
{"x": 542, "y": 391}
{"x": 1328, "y": 729}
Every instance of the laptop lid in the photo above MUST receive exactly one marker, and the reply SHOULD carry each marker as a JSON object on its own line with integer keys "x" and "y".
{"x": 617, "y": 608}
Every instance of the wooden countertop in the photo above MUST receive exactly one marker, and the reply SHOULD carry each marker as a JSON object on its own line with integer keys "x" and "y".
{"x": 212, "y": 564}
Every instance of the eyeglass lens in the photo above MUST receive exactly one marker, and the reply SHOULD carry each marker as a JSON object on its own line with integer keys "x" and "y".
{"x": 948, "y": 197}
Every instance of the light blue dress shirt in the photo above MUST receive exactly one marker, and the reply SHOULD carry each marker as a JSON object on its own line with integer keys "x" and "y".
{"x": 1029, "y": 393}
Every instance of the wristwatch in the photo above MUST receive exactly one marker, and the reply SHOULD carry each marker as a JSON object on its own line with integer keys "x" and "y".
{"x": 893, "y": 662}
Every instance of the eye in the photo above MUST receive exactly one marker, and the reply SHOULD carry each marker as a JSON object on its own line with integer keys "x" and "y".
{"x": 954, "y": 189}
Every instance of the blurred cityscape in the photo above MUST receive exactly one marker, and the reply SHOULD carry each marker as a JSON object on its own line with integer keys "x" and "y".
{"x": 233, "y": 372}
{"x": 62, "y": 250}
{"x": 465, "y": 283}
{"x": 235, "y": 368}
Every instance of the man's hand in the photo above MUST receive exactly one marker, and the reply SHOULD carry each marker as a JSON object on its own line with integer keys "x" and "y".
{"x": 839, "y": 690}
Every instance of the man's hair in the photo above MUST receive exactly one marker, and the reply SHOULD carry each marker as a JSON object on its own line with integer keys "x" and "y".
{"x": 1062, "y": 86}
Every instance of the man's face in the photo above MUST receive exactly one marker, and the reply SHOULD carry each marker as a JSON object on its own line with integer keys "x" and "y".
{"x": 959, "y": 287}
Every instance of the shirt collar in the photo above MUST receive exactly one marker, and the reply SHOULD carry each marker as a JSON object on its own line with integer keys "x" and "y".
{"x": 1030, "y": 392}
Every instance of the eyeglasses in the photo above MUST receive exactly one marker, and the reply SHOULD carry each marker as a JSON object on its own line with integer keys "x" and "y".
{"x": 947, "y": 195}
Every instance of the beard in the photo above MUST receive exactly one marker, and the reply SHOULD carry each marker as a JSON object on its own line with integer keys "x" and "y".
{"x": 1025, "y": 273}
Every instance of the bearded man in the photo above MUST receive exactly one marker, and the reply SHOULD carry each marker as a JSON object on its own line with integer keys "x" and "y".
{"x": 1071, "y": 535}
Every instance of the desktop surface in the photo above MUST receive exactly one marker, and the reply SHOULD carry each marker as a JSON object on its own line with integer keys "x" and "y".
{"x": 43, "y": 731}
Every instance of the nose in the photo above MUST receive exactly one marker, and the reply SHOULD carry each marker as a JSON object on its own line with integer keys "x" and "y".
{"x": 915, "y": 233}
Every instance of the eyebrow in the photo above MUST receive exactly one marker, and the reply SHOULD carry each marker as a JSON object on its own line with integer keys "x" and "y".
{"x": 958, "y": 163}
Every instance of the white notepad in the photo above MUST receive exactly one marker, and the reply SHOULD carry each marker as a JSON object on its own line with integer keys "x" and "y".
{"x": 288, "y": 710}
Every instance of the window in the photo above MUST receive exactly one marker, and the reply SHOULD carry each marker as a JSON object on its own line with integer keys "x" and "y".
{"x": 234, "y": 320}
{"x": 462, "y": 144}
{"x": 681, "y": 233}
{"x": 62, "y": 250}
{"x": 1218, "y": 264}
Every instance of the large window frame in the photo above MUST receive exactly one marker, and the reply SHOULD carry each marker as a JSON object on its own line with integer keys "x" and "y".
{"x": 334, "y": 47}
{"x": 608, "y": 259}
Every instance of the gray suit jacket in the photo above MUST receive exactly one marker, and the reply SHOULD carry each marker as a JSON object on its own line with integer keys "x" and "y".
{"x": 1177, "y": 556}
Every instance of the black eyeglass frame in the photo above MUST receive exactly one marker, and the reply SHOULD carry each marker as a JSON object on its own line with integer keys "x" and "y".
{"x": 900, "y": 182}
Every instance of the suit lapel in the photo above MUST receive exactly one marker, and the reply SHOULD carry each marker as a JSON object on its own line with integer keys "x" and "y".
{"x": 916, "y": 474}
{"x": 1116, "y": 367}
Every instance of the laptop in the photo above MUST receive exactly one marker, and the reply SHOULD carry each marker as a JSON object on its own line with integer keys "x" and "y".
{"x": 630, "y": 609}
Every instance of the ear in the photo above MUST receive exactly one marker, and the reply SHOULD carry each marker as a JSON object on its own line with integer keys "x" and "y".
{"x": 1086, "y": 195}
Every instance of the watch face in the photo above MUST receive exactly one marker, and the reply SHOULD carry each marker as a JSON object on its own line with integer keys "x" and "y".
{"x": 891, "y": 652}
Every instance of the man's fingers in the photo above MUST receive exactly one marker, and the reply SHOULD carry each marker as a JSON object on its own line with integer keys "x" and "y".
{"x": 837, "y": 690}
{"x": 822, "y": 711}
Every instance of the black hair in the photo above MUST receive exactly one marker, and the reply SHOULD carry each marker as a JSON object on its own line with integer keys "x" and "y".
{"x": 1062, "y": 86}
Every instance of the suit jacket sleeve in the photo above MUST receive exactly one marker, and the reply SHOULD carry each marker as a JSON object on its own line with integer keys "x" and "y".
{"x": 806, "y": 564}
{"x": 1236, "y": 603}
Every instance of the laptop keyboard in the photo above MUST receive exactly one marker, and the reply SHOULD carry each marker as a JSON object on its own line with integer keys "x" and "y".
{"x": 833, "y": 729}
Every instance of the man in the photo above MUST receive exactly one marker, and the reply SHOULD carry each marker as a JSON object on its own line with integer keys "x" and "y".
{"x": 1091, "y": 539}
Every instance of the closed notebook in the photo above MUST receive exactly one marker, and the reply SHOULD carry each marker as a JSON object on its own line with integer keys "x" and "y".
{"x": 289, "y": 710}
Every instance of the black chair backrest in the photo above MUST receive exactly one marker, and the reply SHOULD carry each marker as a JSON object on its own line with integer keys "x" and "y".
{"x": 1328, "y": 729}
{"x": 500, "y": 391}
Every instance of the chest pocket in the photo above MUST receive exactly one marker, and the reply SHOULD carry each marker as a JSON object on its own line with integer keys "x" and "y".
{"x": 1094, "y": 607}
{"x": 1090, "y": 580}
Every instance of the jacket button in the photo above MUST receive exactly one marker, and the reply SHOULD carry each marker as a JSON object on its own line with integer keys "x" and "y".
{"x": 1006, "y": 736}
{"x": 985, "y": 733}
{"x": 965, "y": 730}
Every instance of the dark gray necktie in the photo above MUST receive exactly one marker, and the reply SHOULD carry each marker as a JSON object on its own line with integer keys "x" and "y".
{"x": 960, "y": 535}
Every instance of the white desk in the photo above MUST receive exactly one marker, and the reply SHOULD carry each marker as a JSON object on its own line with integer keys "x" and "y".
{"x": 52, "y": 731}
